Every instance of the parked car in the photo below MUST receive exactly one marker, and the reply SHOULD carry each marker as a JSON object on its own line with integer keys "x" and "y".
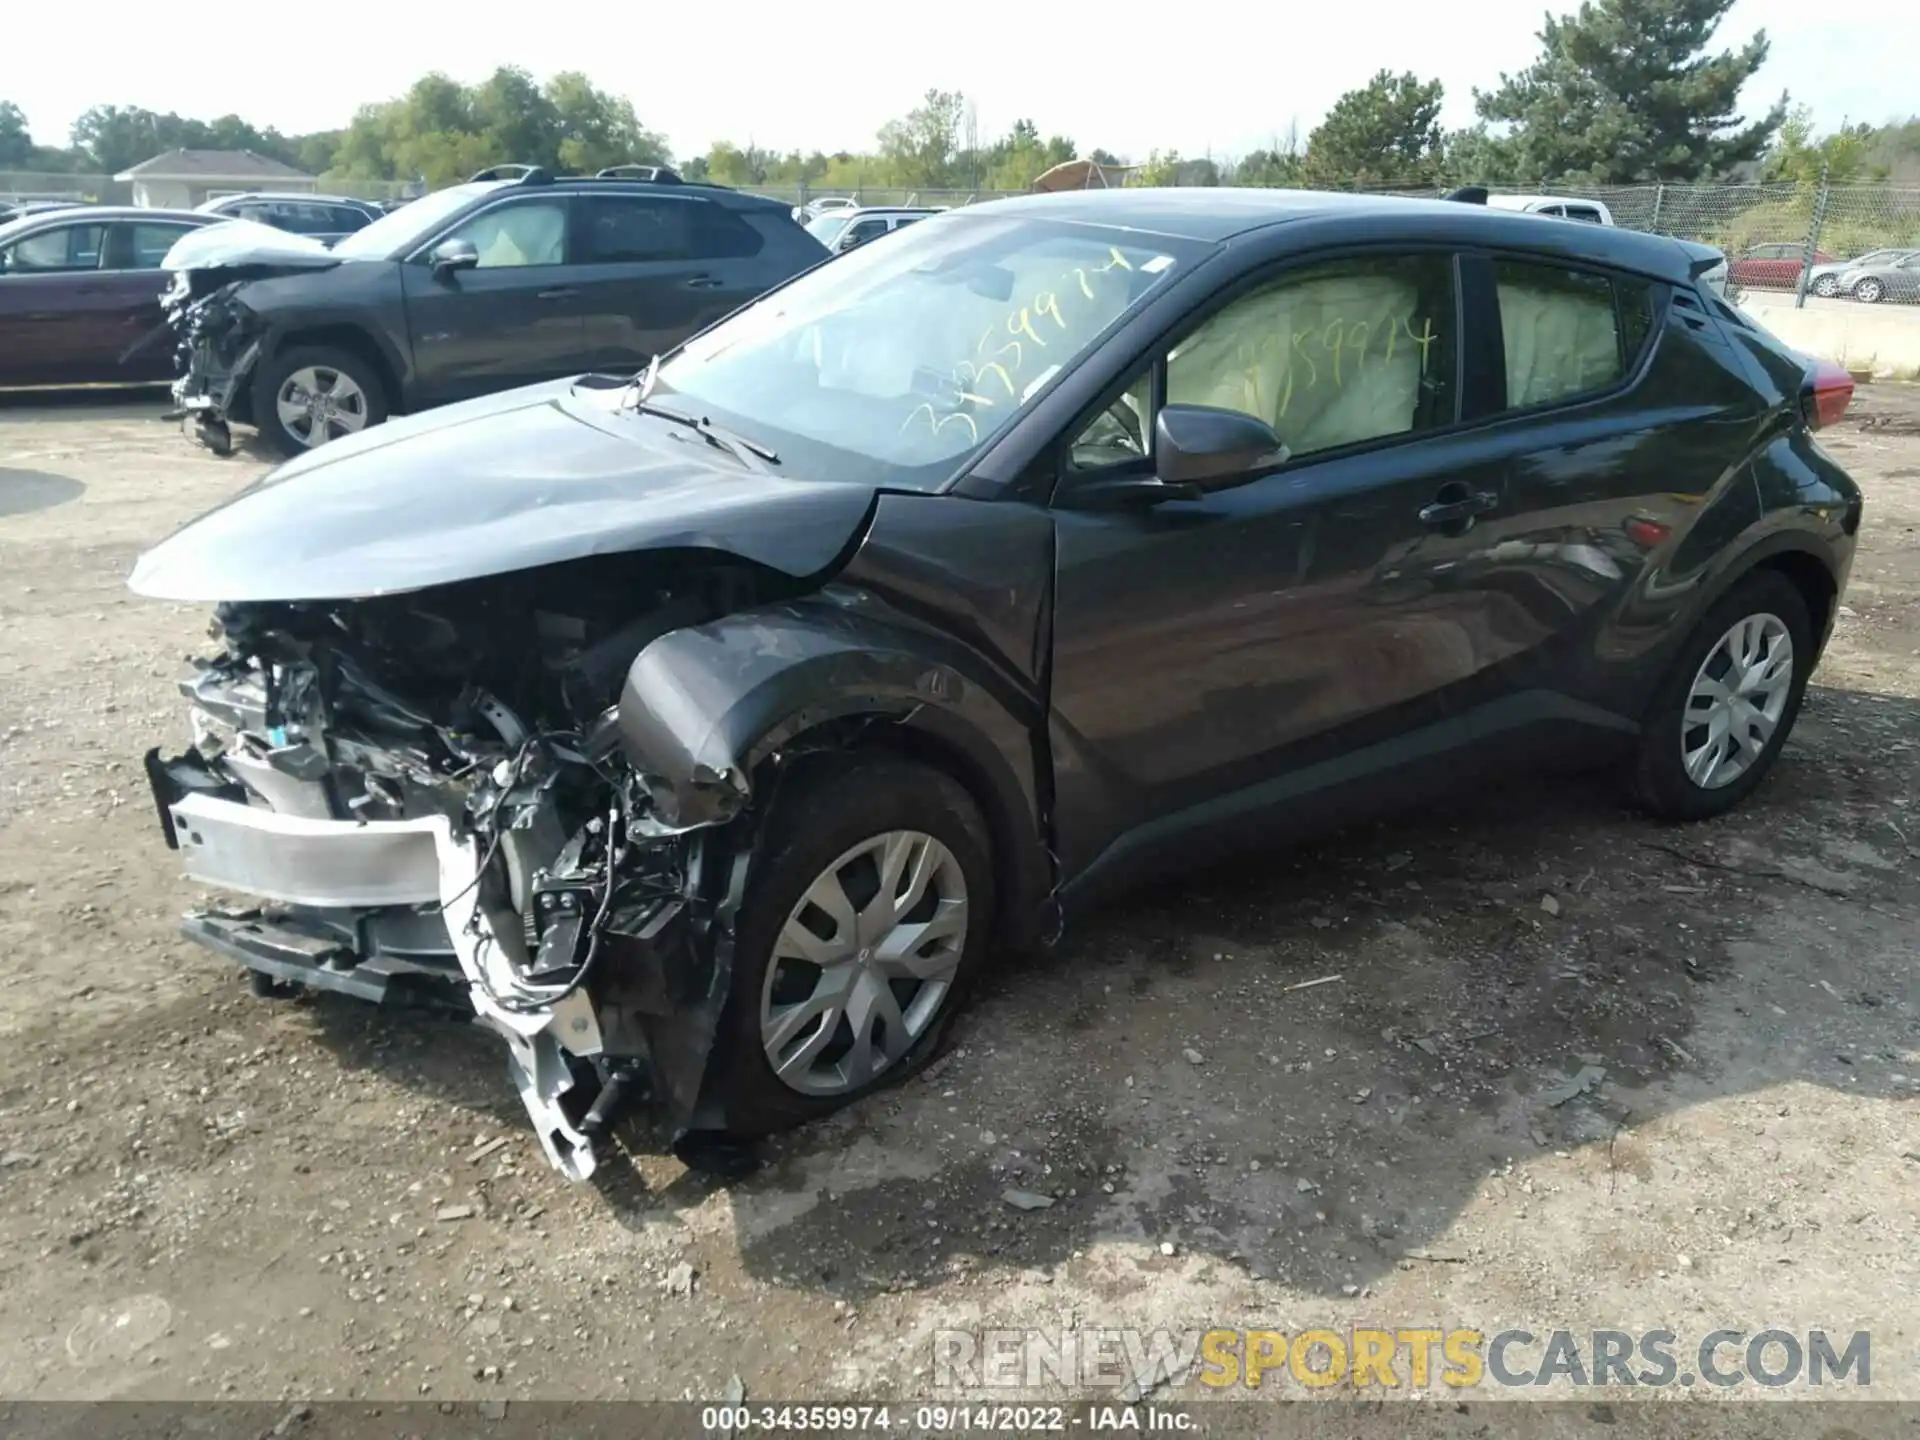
{"x": 1590, "y": 212}
{"x": 824, "y": 205}
{"x": 11, "y": 210}
{"x": 1824, "y": 279}
{"x": 842, "y": 230}
{"x": 326, "y": 218}
{"x": 1897, "y": 279}
{"x": 476, "y": 288}
{"x": 709, "y": 731}
{"x": 80, "y": 295}
{"x": 1773, "y": 267}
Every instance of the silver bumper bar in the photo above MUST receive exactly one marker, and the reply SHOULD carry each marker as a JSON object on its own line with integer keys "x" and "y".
{"x": 346, "y": 864}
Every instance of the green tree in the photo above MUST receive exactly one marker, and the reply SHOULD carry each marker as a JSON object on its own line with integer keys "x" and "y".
{"x": 1277, "y": 165}
{"x": 922, "y": 148}
{"x": 1625, "y": 91}
{"x": 1385, "y": 133}
{"x": 16, "y": 141}
{"x": 1799, "y": 155}
{"x": 1159, "y": 168}
{"x": 1018, "y": 158}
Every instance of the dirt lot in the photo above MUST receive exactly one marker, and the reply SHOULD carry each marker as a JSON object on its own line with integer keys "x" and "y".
{"x": 206, "y": 1195}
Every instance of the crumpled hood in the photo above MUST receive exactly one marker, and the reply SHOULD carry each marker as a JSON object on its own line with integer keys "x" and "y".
{"x": 247, "y": 244}
{"x": 512, "y": 481}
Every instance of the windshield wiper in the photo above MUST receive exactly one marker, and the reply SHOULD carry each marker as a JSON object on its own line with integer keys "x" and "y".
{"x": 736, "y": 445}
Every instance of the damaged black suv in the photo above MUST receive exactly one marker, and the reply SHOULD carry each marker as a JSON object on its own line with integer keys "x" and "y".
{"x": 707, "y": 728}
{"x": 470, "y": 290}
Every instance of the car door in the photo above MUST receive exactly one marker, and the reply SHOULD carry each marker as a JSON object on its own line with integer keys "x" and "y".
{"x": 131, "y": 283}
{"x": 657, "y": 268}
{"x": 60, "y": 321}
{"x": 1208, "y": 650}
{"x": 515, "y": 318}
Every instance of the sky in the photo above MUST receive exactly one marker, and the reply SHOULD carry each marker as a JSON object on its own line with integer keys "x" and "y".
{"x": 1205, "y": 77}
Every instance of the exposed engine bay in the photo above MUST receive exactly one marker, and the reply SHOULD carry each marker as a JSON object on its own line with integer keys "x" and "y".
{"x": 428, "y": 792}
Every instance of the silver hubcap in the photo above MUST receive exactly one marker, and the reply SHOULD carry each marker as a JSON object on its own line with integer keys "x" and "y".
{"x": 1736, "y": 701}
{"x": 1825, "y": 285}
{"x": 864, "y": 962}
{"x": 1870, "y": 291}
{"x": 316, "y": 404}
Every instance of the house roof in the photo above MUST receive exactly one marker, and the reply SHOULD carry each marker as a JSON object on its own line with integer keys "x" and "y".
{"x": 215, "y": 165}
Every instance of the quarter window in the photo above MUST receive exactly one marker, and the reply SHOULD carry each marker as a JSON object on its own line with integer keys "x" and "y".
{"x": 1336, "y": 355}
{"x": 1567, "y": 333}
{"x": 518, "y": 235}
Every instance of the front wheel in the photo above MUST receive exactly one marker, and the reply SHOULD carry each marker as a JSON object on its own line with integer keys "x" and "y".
{"x": 1727, "y": 705}
{"x": 871, "y": 905}
{"x": 307, "y": 396}
{"x": 1827, "y": 285}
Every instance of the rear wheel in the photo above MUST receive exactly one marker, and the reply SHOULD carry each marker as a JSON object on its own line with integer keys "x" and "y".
{"x": 310, "y": 395}
{"x": 1726, "y": 707}
{"x": 1869, "y": 291}
{"x": 871, "y": 906}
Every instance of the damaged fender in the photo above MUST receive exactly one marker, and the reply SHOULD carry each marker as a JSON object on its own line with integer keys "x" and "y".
{"x": 703, "y": 708}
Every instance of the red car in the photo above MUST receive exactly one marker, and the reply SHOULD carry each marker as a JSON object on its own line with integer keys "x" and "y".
{"x": 80, "y": 295}
{"x": 1773, "y": 267}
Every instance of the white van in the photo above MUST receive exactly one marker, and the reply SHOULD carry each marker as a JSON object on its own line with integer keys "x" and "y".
{"x": 1590, "y": 212}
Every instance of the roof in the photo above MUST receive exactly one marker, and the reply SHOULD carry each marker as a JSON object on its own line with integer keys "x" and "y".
{"x": 238, "y": 165}
{"x": 1212, "y": 214}
{"x": 297, "y": 197}
{"x": 96, "y": 214}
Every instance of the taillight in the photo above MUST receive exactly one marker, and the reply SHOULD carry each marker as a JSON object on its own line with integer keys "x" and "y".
{"x": 1828, "y": 392}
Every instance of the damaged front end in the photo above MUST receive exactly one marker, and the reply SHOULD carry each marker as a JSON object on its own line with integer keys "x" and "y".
{"x": 218, "y": 336}
{"x": 426, "y": 793}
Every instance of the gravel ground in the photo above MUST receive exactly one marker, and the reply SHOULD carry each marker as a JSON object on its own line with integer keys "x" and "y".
{"x": 204, "y": 1195}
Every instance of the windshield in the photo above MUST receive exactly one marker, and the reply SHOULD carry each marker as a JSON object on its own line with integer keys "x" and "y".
{"x": 896, "y": 362}
{"x": 400, "y": 230}
{"x": 826, "y": 228}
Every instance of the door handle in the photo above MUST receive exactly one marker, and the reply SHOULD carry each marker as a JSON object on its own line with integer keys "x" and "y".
{"x": 703, "y": 282}
{"x": 559, "y": 292}
{"x": 1456, "y": 504}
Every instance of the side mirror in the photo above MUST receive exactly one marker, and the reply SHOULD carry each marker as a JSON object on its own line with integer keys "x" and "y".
{"x": 451, "y": 255}
{"x": 1205, "y": 448}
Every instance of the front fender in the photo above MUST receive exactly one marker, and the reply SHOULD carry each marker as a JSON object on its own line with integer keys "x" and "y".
{"x": 704, "y": 706}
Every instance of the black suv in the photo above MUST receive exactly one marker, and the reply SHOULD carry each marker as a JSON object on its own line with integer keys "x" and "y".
{"x": 473, "y": 289}
{"x": 710, "y": 731}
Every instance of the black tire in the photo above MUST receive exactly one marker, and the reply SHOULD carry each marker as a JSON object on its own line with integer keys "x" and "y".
{"x": 281, "y": 368}
{"x": 822, "y": 811}
{"x": 1660, "y": 780}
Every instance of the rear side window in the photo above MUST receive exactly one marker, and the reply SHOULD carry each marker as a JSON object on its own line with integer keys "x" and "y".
{"x": 629, "y": 229}
{"x": 151, "y": 243}
{"x": 1568, "y": 333}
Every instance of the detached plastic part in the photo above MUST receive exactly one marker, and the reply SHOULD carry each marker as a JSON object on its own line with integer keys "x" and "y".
{"x": 1828, "y": 392}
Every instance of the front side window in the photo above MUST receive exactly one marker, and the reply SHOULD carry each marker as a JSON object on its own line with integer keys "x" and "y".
{"x": 898, "y": 361}
{"x": 862, "y": 231}
{"x": 525, "y": 233}
{"x": 1338, "y": 354}
{"x": 1567, "y": 333}
{"x": 69, "y": 247}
